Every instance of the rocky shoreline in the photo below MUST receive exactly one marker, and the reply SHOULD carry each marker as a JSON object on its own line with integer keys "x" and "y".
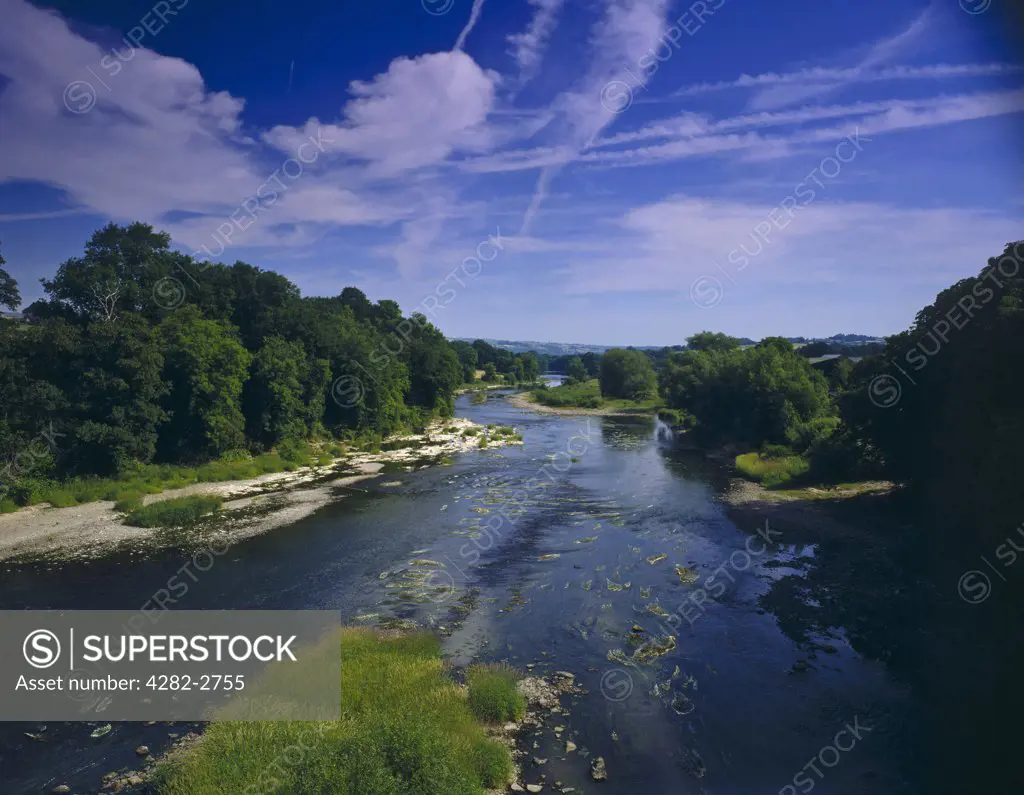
{"x": 251, "y": 507}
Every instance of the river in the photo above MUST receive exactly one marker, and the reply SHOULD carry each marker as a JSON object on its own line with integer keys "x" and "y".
{"x": 740, "y": 705}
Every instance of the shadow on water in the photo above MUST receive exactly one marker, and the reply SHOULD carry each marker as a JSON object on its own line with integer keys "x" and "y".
{"x": 890, "y": 590}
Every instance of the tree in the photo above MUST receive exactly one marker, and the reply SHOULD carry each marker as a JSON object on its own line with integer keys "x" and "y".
{"x": 273, "y": 395}
{"x": 712, "y": 341}
{"x": 942, "y": 408}
{"x": 467, "y": 357}
{"x": 577, "y": 371}
{"x": 762, "y": 395}
{"x": 115, "y": 404}
{"x": 527, "y": 367}
{"x": 490, "y": 372}
{"x": 9, "y": 295}
{"x": 592, "y": 362}
{"x": 119, "y": 272}
{"x": 627, "y": 374}
{"x": 812, "y": 350}
{"x": 206, "y": 367}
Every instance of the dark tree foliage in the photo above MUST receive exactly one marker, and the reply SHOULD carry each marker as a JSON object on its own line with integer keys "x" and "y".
{"x": 712, "y": 341}
{"x": 9, "y": 295}
{"x": 761, "y": 395}
{"x": 628, "y": 374}
{"x": 141, "y": 354}
{"x": 943, "y": 407}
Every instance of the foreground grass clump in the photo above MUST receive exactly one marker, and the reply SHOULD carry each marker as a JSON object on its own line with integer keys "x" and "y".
{"x": 771, "y": 471}
{"x": 492, "y": 693}
{"x": 406, "y": 727}
{"x": 173, "y": 513}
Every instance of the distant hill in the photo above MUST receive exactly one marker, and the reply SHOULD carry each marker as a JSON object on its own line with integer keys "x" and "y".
{"x": 579, "y": 348}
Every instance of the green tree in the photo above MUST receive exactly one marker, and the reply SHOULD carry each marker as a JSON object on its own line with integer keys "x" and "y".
{"x": 273, "y": 395}
{"x": 206, "y": 367}
{"x": 119, "y": 273}
{"x": 527, "y": 367}
{"x": 712, "y": 341}
{"x": 627, "y": 373}
{"x": 490, "y": 372}
{"x": 115, "y": 407}
{"x": 9, "y": 295}
{"x": 467, "y": 358}
{"x": 577, "y": 371}
{"x": 942, "y": 408}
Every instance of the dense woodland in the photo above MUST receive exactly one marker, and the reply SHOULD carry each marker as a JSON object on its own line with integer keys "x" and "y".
{"x": 140, "y": 354}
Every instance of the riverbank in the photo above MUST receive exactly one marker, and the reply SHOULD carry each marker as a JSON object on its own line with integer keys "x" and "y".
{"x": 522, "y": 400}
{"x": 251, "y": 506}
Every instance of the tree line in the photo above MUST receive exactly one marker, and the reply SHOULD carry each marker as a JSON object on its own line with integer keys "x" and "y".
{"x": 140, "y": 354}
{"x": 938, "y": 412}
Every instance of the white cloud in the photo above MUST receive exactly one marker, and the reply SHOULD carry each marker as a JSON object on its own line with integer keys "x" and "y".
{"x": 666, "y": 245}
{"x": 882, "y": 51}
{"x": 414, "y": 115}
{"x": 528, "y": 46}
{"x": 830, "y": 76}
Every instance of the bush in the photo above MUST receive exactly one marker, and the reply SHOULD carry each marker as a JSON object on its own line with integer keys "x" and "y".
{"x": 807, "y": 434}
{"x": 771, "y": 472}
{"x": 174, "y": 513}
{"x": 493, "y": 696}
{"x": 470, "y": 432}
{"x": 773, "y": 451}
{"x": 128, "y": 503}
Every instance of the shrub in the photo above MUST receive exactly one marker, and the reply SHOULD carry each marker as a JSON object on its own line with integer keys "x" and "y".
{"x": 807, "y": 434}
{"x": 128, "y": 503}
{"x": 772, "y": 451}
{"x": 470, "y": 432}
{"x": 174, "y": 513}
{"x": 771, "y": 471}
{"x": 493, "y": 696}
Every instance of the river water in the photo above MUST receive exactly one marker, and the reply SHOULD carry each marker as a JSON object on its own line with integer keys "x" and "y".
{"x": 741, "y": 705}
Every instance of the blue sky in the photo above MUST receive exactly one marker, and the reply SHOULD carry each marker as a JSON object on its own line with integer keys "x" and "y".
{"x": 610, "y": 171}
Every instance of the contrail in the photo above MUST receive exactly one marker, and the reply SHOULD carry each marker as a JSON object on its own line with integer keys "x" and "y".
{"x": 474, "y": 15}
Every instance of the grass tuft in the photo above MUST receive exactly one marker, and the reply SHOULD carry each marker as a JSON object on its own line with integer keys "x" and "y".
{"x": 174, "y": 513}
{"x": 492, "y": 693}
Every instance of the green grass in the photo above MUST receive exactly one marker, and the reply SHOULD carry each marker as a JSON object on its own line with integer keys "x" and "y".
{"x": 154, "y": 478}
{"x": 771, "y": 472}
{"x": 492, "y": 693}
{"x": 174, "y": 513}
{"x": 406, "y": 727}
{"x": 587, "y": 395}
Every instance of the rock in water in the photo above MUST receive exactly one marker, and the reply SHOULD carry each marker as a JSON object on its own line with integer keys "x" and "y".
{"x": 597, "y": 770}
